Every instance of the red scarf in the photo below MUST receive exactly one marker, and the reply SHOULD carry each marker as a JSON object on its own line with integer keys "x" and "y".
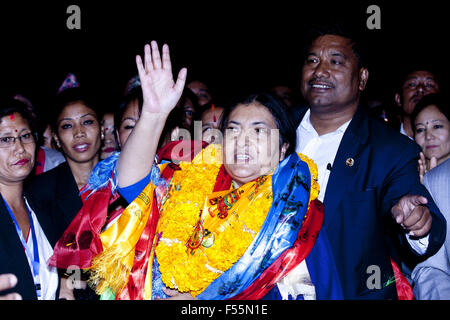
{"x": 81, "y": 241}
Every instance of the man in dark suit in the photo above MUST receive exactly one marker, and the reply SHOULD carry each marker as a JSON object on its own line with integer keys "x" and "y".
{"x": 367, "y": 173}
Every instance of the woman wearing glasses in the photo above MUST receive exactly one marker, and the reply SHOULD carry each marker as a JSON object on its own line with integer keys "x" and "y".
{"x": 27, "y": 233}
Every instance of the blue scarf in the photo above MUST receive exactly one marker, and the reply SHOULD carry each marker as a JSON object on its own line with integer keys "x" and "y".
{"x": 291, "y": 181}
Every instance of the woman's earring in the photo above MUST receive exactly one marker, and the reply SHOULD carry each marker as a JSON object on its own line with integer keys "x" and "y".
{"x": 102, "y": 136}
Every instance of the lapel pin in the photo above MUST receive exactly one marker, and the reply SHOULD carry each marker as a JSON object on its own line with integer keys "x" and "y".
{"x": 349, "y": 162}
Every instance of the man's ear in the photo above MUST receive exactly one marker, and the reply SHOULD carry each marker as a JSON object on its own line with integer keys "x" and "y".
{"x": 363, "y": 78}
{"x": 398, "y": 99}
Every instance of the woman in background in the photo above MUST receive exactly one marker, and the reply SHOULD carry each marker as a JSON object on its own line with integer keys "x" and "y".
{"x": 109, "y": 145}
{"x": 78, "y": 134}
{"x": 210, "y": 116}
{"x": 431, "y": 125}
{"x": 432, "y": 132}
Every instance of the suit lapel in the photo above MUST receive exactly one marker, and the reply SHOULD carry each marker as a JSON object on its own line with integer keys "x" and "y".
{"x": 45, "y": 220}
{"x": 345, "y": 164}
{"x": 343, "y": 172}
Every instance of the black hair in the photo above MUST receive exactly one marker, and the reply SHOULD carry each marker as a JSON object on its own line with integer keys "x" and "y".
{"x": 188, "y": 94}
{"x": 317, "y": 31}
{"x": 71, "y": 96}
{"x": 278, "y": 110}
{"x": 436, "y": 99}
{"x": 133, "y": 94}
{"x": 10, "y": 106}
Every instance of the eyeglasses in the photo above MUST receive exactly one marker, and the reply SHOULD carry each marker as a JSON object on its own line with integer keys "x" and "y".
{"x": 6, "y": 142}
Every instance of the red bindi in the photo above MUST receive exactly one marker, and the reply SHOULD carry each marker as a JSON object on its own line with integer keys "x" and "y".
{"x": 11, "y": 117}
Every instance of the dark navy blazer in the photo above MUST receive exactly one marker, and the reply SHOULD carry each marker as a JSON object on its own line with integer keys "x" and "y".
{"x": 358, "y": 203}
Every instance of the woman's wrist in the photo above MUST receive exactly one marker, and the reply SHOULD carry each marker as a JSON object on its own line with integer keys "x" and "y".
{"x": 153, "y": 117}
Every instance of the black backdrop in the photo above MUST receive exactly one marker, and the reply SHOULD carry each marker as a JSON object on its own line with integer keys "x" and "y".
{"x": 233, "y": 45}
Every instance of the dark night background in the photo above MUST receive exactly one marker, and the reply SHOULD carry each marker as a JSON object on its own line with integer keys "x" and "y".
{"x": 233, "y": 45}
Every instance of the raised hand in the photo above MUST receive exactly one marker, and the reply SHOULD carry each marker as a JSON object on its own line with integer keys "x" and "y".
{"x": 412, "y": 214}
{"x": 160, "y": 95}
{"x": 160, "y": 92}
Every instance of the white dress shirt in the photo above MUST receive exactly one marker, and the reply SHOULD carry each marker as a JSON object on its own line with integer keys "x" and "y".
{"x": 322, "y": 149}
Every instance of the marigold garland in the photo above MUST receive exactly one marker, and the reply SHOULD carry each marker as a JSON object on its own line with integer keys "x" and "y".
{"x": 193, "y": 270}
{"x": 315, "y": 188}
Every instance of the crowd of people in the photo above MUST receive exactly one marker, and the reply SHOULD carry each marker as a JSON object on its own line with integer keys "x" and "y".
{"x": 176, "y": 195}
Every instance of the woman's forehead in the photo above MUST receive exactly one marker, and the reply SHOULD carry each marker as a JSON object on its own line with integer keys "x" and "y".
{"x": 13, "y": 122}
{"x": 431, "y": 112}
{"x": 252, "y": 113}
{"x": 76, "y": 110}
{"x": 132, "y": 108}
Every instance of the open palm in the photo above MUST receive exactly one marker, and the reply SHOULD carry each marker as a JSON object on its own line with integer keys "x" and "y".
{"x": 160, "y": 92}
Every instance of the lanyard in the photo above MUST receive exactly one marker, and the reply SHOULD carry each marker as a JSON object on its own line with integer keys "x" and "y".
{"x": 35, "y": 257}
